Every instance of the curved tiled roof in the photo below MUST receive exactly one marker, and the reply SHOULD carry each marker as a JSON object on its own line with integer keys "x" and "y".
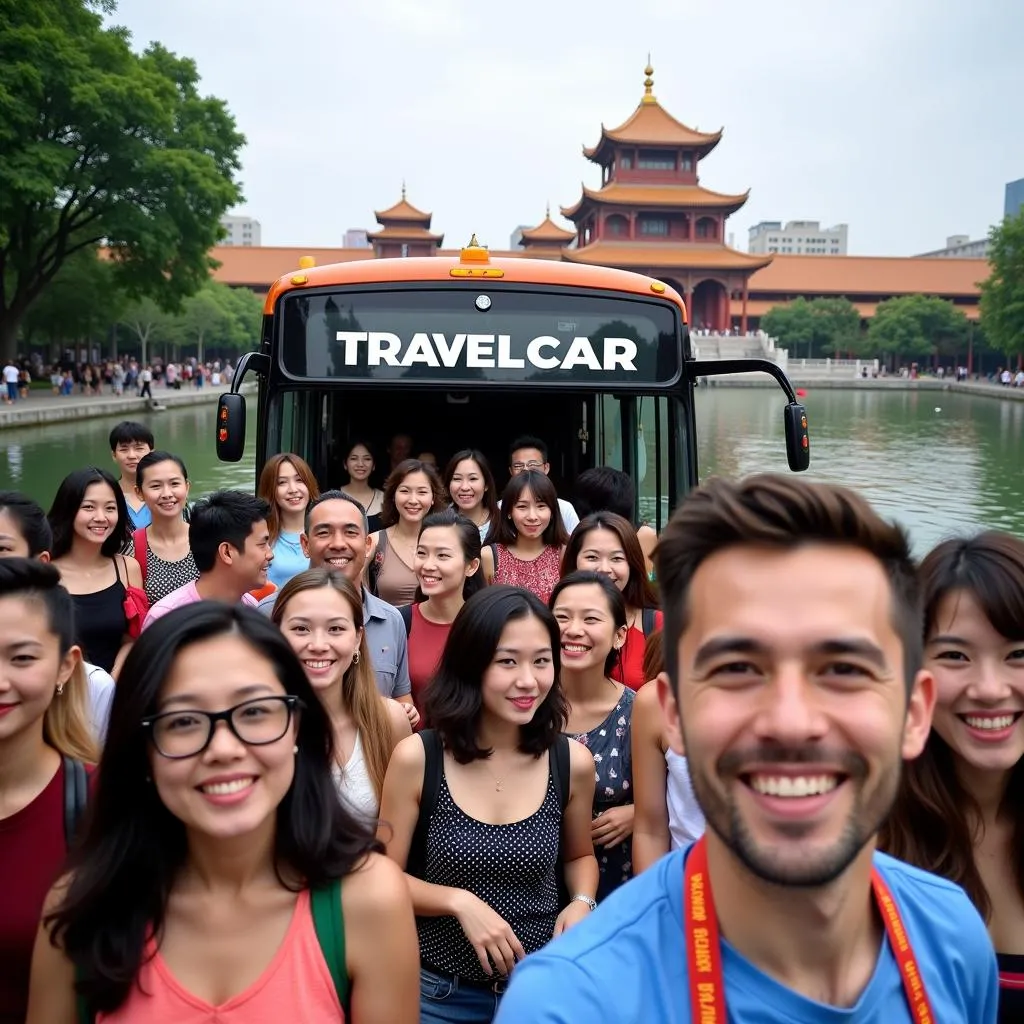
{"x": 407, "y": 233}
{"x": 661, "y": 254}
{"x": 403, "y": 210}
{"x": 662, "y": 196}
{"x": 548, "y": 231}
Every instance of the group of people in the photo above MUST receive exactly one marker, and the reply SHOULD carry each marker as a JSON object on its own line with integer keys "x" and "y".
{"x": 502, "y": 757}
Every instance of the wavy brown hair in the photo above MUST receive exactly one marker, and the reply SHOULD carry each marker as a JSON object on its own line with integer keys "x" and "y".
{"x": 638, "y": 592}
{"x": 388, "y": 511}
{"x": 359, "y": 694}
{"x": 935, "y": 821}
{"x": 267, "y": 487}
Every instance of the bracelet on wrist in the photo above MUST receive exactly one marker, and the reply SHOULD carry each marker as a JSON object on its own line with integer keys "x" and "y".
{"x": 584, "y": 898}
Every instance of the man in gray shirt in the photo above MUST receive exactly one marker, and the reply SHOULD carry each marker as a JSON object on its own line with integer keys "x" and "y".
{"x": 336, "y": 538}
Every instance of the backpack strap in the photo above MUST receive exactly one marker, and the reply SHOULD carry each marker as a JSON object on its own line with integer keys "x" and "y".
{"x": 405, "y": 611}
{"x": 76, "y": 796}
{"x": 433, "y": 772}
{"x": 329, "y": 924}
{"x": 558, "y": 763}
{"x": 141, "y": 550}
{"x": 649, "y": 620}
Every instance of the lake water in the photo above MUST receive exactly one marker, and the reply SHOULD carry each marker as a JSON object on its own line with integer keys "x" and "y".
{"x": 938, "y": 462}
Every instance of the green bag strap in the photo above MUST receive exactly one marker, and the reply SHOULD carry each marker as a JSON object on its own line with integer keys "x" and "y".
{"x": 330, "y": 933}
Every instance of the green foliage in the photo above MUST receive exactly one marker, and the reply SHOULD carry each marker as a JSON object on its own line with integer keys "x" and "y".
{"x": 101, "y": 145}
{"x": 1002, "y": 294}
{"x": 80, "y": 304}
{"x": 819, "y": 328}
{"x": 917, "y": 326}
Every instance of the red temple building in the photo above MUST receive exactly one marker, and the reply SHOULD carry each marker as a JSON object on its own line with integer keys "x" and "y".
{"x": 404, "y": 231}
{"x": 652, "y": 215}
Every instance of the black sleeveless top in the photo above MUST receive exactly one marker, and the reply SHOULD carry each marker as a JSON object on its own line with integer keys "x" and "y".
{"x": 1011, "y": 988}
{"x": 100, "y": 623}
{"x": 512, "y": 868}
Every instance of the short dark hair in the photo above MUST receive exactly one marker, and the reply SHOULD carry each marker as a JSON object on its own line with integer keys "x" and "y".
{"x": 224, "y": 517}
{"x": 388, "y": 511}
{"x": 336, "y": 495}
{"x": 68, "y": 500}
{"x": 127, "y": 431}
{"x": 122, "y": 873}
{"x": 31, "y": 519}
{"x": 41, "y": 581}
{"x": 503, "y": 530}
{"x": 638, "y": 592}
{"x": 469, "y": 540}
{"x": 452, "y": 700}
{"x": 528, "y": 441}
{"x": 605, "y": 489}
{"x": 784, "y": 513}
{"x": 612, "y": 594}
{"x": 154, "y": 458}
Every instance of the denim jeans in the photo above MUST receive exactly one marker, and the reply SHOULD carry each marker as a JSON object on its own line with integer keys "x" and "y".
{"x": 447, "y": 999}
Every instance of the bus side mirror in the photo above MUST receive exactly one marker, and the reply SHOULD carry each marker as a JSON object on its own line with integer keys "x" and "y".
{"x": 230, "y": 427}
{"x": 798, "y": 442}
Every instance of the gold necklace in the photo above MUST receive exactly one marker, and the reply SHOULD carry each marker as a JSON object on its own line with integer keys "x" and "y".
{"x": 498, "y": 783}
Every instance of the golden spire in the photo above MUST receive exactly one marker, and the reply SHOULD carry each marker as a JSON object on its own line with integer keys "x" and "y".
{"x": 473, "y": 243}
{"x": 648, "y": 83}
{"x": 548, "y": 211}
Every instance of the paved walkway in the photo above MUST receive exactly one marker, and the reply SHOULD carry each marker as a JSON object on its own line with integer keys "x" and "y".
{"x": 46, "y": 407}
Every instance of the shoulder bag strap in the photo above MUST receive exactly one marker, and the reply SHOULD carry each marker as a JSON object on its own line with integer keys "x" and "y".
{"x": 558, "y": 760}
{"x": 76, "y": 795}
{"x": 141, "y": 552}
{"x": 329, "y": 924}
{"x": 649, "y": 620}
{"x": 433, "y": 770}
{"x": 405, "y": 611}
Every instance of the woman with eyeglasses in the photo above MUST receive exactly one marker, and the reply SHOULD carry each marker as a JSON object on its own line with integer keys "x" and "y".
{"x": 219, "y": 877}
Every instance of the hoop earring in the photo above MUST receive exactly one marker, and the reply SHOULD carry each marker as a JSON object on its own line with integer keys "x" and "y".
{"x": 355, "y": 658}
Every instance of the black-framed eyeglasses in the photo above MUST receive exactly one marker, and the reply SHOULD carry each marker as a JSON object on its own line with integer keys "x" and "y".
{"x": 188, "y": 732}
{"x": 519, "y": 467}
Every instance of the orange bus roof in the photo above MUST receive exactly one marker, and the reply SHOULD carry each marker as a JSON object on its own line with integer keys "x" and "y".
{"x": 431, "y": 269}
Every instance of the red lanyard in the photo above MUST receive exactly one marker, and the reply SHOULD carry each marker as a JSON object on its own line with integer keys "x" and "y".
{"x": 704, "y": 952}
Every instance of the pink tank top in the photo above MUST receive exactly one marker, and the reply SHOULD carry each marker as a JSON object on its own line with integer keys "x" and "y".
{"x": 296, "y": 986}
{"x": 540, "y": 575}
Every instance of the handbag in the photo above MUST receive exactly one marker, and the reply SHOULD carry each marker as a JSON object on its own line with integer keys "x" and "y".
{"x": 136, "y": 604}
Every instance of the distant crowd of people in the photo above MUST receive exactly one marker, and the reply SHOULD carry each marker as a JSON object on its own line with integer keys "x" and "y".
{"x": 438, "y": 751}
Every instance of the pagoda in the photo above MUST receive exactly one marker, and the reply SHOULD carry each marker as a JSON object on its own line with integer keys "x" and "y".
{"x": 652, "y": 215}
{"x": 547, "y": 239}
{"x": 404, "y": 231}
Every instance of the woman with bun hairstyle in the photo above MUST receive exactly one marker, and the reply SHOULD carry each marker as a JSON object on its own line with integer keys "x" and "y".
{"x": 219, "y": 877}
{"x": 45, "y": 746}
{"x": 320, "y": 613}
{"x": 960, "y": 808}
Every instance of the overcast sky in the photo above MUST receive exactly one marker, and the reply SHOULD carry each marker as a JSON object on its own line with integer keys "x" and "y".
{"x": 901, "y": 118}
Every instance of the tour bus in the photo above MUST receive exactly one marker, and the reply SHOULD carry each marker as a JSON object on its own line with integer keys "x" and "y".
{"x": 473, "y": 351}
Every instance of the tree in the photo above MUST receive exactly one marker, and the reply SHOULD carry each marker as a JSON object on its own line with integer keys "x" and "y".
{"x": 149, "y": 323}
{"x": 81, "y": 303}
{"x": 916, "y": 326}
{"x": 247, "y": 309}
{"x": 104, "y": 146}
{"x": 1002, "y": 294}
{"x": 825, "y": 326}
{"x": 209, "y": 317}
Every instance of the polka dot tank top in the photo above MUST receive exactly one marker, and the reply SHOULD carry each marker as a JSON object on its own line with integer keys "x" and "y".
{"x": 512, "y": 868}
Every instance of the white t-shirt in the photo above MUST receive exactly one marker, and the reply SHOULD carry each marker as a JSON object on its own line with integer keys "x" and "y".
{"x": 11, "y": 374}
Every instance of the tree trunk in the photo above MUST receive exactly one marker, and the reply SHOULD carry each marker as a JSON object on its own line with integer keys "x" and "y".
{"x": 9, "y": 337}
{"x": 199, "y": 348}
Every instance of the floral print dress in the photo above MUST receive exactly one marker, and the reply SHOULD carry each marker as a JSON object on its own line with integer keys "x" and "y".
{"x": 609, "y": 743}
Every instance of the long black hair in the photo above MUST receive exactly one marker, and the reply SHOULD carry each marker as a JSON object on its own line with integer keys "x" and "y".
{"x": 612, "y": 594}
{"x": 68, "y": 500}
{"x": 122, "y": 873}
{"x": 469, "y": 540}
{"x": 453, "y": 698}
{"x": 503, "y": 529}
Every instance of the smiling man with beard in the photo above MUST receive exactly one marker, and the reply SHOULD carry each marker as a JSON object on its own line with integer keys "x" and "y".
{"x": 794, "y": 688}
{"x": 336, "y": 538}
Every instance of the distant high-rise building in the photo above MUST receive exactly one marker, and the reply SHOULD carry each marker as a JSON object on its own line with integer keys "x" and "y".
{"x": 240, "y": 231}
{"x": 355, "y": 238}
{"x": 798, "y": 238}
{"x": 1014, "y": 198}
{"x": 960, "y": 247}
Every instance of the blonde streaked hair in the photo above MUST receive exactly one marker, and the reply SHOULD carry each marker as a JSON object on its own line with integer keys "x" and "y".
{"x": 359, "y": 694}
{"x": 67, "y": 723}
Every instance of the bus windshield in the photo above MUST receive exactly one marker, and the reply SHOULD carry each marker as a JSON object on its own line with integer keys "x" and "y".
{"x": 504, "y": 335}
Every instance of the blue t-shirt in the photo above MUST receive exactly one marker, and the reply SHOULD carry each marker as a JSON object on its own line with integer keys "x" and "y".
{"x": 627, "y": 962}
{"x": 288, "y": 560}
{"x": 141, "y": 517}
